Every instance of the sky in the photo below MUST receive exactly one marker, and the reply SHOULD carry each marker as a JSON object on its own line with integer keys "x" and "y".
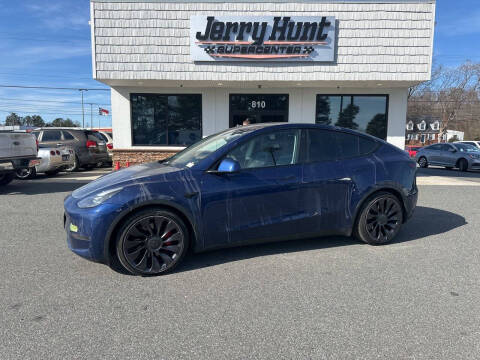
{"x": 47, "y": 43}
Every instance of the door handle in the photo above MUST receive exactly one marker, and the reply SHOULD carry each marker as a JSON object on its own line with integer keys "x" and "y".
{"x": 345, "y": 179}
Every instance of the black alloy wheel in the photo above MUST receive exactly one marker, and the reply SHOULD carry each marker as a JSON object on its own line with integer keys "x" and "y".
{"x": 28, "y": 173}
{"x": 152, "y": 242}
{"x": 423, "y": 162}
{"x": 380, "y": 219}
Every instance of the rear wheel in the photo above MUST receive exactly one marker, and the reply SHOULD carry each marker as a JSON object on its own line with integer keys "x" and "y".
{"x": 380, "y": 219}
{"x": 24, "y": 174}
{"x": 423, "y": 162}
{"x": 75, "y": 166}
{"x": 6, "y": 178}
{"x": 462, "y": 165}
{"x": 152, "y": 242}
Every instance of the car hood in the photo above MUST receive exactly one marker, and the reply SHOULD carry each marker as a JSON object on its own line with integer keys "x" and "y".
{"x": 127, "y": 176}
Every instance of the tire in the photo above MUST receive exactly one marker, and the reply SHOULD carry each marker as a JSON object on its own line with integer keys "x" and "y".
{"x": 423, "y": 162}
{"x": 24, "y": 174}
{"x": 462, "y": 165}
{"x": 52, "y": 172}
{"x": 152, "y": 242}
{"x": 6, "y": 178}
{"x": 380, "y": 219}
{"x": 75, "y": 166}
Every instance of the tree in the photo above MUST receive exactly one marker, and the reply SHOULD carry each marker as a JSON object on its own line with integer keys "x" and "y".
{"x": 378, "y": 126}
{"x": 453, "y": 139}
{"x": 13, "y": 120}
{"x": 34, "y": 120}
{"x": 61, "y": 122}
{"x": 347, "y": 116}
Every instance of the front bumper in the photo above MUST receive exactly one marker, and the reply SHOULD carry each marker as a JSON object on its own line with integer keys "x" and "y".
{"x": 87, "y": 229}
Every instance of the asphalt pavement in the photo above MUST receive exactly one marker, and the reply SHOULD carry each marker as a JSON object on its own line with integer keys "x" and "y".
{"x": 330, "y": 298}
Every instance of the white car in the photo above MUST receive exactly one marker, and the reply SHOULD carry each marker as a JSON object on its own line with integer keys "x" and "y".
{"x": 52, "y": 161}
{"x": 470, "y": 142}
{"x": 108, "y": 138}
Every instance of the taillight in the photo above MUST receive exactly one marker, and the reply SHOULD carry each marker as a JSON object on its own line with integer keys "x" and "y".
{"x": 91, "y": 144}
{"x": 58, "y": 152}
{"x": 52, "y": 152}
{"x": 36, "y": 142}
{"x": 110, "y": 146}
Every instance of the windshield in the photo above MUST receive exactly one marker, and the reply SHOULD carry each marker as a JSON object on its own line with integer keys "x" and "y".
{"x": 200, "y": 150}
{"x": 466, "y": 147}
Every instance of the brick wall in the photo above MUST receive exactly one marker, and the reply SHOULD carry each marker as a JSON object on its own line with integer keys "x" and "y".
{"x": 134, "y": 156}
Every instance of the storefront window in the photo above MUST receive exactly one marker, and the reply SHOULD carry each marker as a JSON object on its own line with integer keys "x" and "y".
{"x": 159, "y": 119}
{"x": 258, "y": 108}
{"x": 366, "y": 113}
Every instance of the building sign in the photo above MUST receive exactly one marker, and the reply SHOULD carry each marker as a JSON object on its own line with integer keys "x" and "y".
{"x": 262, "y": 38}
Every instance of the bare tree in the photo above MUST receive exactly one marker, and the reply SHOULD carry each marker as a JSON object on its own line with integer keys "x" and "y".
{"x": 455, "y": 88}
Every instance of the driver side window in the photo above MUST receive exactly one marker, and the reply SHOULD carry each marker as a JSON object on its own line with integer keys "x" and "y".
{"x": 272, "y": 149}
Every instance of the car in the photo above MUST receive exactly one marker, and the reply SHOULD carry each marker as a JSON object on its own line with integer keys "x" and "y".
{"x": 107, "y": 137}
{"x": 249, "y": 184}
{"x": 449, "y": 155}
{"x": 52, "y": 161}
{"x": 89, "y": 149}
{"x": 18, "y": 150}
{"x": 412, "y": 150}
{"x": 469, "y": 142}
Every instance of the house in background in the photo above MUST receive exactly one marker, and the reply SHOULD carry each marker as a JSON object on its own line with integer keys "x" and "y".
{"x": 425, "y": 130}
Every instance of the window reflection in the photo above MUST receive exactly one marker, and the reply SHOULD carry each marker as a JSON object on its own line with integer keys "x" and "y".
{"x": 359, "y": 112}
{"x": 159, "y": 119}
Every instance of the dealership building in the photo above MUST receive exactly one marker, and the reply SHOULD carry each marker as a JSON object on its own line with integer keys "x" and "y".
{"x": 182, "y": 70}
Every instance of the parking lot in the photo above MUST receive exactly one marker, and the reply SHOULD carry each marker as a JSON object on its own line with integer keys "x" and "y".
{"x": 318, "y": 298}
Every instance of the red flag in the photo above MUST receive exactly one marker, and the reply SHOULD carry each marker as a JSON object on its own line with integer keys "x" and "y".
{"x": 102, "y": 111}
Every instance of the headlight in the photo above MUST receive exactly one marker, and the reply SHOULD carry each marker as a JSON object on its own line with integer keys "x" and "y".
{"x": 97, "y": 199}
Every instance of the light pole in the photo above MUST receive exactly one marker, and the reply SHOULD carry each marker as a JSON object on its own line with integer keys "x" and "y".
{"x": 83, "y": 110}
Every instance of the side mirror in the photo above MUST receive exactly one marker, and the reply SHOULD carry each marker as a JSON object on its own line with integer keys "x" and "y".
{"x": 227, "y": 166}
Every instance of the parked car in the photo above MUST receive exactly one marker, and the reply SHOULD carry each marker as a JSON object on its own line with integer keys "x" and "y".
{"x": 456, "y": 155}
{"x": 412, "y": 150}
{"x": 108, "y": 139}
{"x": 248, "y": 184}
{"x": 18, "y": 150}
{"x": 52, "y": 161}
{"x": 469, "y": 142}
{"x": 89, "y": 149}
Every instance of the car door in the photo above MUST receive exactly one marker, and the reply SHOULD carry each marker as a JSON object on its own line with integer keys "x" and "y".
{"x": 449, "y": 155}
{"x": 434, "y": 154}
{"x": 325, "y": 189}
{"x": 259, "y": 202}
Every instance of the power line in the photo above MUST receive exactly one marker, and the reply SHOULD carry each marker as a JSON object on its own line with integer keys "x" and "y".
{"x": 52, "y": 88}
{"x": 48, "y": 101}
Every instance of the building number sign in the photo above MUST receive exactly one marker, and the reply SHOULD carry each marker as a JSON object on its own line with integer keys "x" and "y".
{"x": 258, "y": 104}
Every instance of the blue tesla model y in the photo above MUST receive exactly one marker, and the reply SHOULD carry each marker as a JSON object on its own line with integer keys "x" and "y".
{"x": 263, "y": 182}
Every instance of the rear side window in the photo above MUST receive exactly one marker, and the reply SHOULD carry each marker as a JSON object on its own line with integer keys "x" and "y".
{"x": 52, "y": 135}
{"x": 321, "y": 146}
{"x": 67, "y": 136}
{"x": 436, "y": 147}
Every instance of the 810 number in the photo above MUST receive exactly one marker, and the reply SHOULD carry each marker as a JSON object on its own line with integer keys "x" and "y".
{"x": 260, "y": 104}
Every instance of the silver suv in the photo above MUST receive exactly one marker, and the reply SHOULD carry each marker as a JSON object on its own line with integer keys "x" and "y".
{"x": 457, "y": 155}
{"x": 89, "y": 149}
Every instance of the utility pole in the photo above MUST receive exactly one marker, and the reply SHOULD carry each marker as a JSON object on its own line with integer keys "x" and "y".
{"x": 91, "y": 116}
{"x": 83, "y": 109}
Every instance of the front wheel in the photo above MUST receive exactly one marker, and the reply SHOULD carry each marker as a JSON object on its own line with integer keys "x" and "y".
{"x": 462, "y": 165}
{"x": 380, "y": 219}
{"x": 152, "y": 242}
{"x": 423, "y": 162}
{"x": 28, "y": 173}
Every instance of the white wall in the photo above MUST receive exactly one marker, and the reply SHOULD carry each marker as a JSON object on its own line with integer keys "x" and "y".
{"x": 215, "y": 108}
